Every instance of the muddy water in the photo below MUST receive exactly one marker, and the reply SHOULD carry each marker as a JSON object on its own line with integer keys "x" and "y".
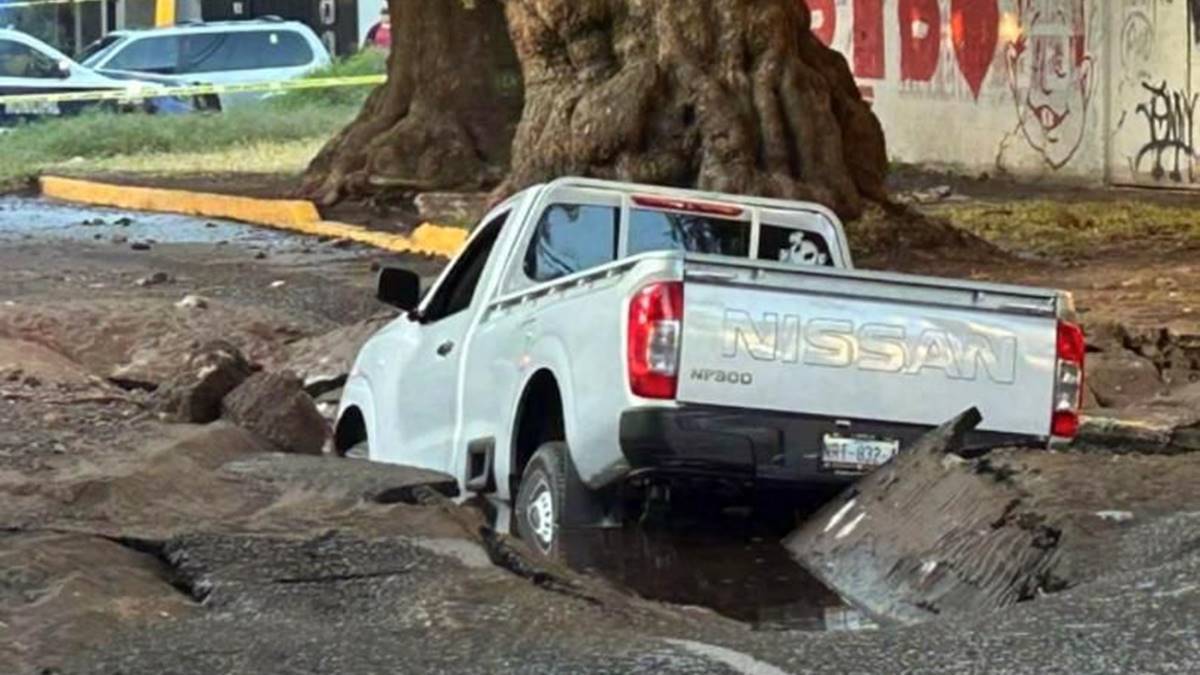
{"x": 732, "y": 564}
{"x": 22, "y": 217}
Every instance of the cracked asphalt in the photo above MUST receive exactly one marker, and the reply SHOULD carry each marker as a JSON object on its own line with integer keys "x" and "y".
{"x": 128, "y": 545}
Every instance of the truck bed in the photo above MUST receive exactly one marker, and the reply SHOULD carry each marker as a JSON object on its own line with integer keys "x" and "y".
{"x": 868, "y": 346}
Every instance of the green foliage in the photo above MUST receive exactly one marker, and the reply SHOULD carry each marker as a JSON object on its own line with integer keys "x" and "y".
{"x": 31, "y": 148}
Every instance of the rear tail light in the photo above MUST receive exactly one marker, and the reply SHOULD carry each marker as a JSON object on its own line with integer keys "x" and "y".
{"x": 1068, "y": 385}
{"x": 655, "y": 329}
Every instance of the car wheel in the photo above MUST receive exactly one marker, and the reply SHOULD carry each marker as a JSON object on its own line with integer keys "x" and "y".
{"x": 360, "y": 450}
{"x": 541, "y": 499}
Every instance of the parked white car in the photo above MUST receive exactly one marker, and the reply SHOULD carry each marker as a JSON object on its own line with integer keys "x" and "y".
{"x": 30, "y": 67}
{"x": 595, "y": 335}
{"x": 226, "y": 52}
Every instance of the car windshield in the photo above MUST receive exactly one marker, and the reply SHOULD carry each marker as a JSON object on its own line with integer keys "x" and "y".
{"x": 94, "y": 52}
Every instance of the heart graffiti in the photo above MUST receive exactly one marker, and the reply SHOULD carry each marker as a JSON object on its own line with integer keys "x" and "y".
{"x": 973, "y": 27}
{"x": 974, "y": 31}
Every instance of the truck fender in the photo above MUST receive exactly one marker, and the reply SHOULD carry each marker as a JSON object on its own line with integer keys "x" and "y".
{"x": 357, "y": 394}
{"x": 547, "y": 355}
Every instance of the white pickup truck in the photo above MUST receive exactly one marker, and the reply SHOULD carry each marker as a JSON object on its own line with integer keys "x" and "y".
{"x": 592, "y": 335}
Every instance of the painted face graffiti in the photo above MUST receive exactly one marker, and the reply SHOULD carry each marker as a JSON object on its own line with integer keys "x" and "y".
{"x": 1050, "y": 76}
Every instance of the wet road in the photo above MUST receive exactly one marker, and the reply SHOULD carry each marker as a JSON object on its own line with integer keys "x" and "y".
{"x": 26, "y": 218}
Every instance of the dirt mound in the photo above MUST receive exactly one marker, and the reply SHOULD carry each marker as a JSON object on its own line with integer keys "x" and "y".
{"x": 220, "y": 478}
{"x": 93, "y": 585}
{"x": 323, "y": 361}
{"x": 901, "y": 238}
{"x": 21, "y": 360}
{"x": 145, "y": 340}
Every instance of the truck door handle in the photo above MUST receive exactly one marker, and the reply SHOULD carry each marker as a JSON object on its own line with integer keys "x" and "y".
{"x": 445, "y": 348}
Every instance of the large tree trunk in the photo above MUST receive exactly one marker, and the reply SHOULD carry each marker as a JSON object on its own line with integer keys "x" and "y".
{"x": 446, "y": 116}
{"x": 730, "y": 95}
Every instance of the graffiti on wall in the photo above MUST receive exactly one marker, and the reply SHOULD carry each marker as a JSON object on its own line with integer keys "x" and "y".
{"x": 1170, "y": 147}
{"x": 1035, "y": 53}
{"x": 944, "y": 48}
{"x": 1051, "y": 76}
{"x": 1138, "y": 27}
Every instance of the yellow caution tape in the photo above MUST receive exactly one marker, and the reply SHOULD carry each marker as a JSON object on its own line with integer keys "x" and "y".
{"x": 142, "y": 92}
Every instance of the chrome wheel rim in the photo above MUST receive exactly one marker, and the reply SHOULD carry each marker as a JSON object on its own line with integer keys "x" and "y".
{"x": 359, "y": 451}
{"x": 540, "y": 514}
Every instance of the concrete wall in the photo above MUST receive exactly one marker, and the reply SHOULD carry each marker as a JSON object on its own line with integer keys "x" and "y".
{"x": 1047, "y": 89}
{"x": 1154, "y": 93}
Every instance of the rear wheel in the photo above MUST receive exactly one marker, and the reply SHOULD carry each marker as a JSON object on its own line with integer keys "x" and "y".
{"x": 541, "y": 499}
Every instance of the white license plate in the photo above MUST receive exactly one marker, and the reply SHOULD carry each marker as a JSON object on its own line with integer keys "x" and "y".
{"x": 32, "y": 108}
{"x": 840, "y": 452}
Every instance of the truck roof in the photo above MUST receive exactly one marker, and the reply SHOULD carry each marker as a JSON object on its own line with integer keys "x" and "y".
{"x": 687, "y": 193}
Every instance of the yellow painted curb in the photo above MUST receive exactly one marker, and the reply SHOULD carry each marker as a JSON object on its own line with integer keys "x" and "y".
{"x": 284, "y": 214}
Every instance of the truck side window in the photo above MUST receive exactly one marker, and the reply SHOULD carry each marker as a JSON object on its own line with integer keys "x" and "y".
{"x": 457, "y": 291}
{"x": 571, "y": 238}
{"x": 799, "y": 247}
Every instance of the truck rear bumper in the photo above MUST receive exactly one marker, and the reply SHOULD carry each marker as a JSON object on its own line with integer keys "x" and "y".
{"x": 758, "y": 446}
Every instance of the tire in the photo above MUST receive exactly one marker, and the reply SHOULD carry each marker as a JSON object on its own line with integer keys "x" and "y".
{"x": 542, "y": 500}
{"x": 360, "y": 450}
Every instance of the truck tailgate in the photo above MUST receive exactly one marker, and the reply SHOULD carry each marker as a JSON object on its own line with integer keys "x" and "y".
{"x": 867, "y": 345}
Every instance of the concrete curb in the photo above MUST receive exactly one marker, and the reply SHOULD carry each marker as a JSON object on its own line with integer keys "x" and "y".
{"x": 297, "y": 216}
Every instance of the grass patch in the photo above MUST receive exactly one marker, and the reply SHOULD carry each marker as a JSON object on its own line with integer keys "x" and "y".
{"x": 1073, "y": 229}
{"x": 94, "y": 138}
{"x": 256, "y": 157}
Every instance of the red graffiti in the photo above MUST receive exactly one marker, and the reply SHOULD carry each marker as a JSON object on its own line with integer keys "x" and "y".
{"x": 973, "y": 31}
{"x": 868, "y": 39}
{"x": 972, "y": 28}
{"x": 824, "y": 20}
{"x": 920, "y": 33}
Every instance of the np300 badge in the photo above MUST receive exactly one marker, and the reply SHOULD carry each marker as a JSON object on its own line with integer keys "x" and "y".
{"x": 723, "y": 376}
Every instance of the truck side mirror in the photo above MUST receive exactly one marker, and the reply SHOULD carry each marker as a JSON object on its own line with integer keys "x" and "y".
{"x": 63, "y": 69}
{"x": 399, "y": 288}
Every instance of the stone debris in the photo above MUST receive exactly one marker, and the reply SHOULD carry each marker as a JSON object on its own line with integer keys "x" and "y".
{"x": 192, "y": 301}
{"x": 452, "y": 208}
{"x": 156, "y": 279}
{"x": 275, "y": 407}
{"x": 194, "y": 395}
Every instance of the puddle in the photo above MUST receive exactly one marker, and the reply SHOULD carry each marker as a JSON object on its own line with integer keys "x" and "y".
{"x": 730, "y": 564}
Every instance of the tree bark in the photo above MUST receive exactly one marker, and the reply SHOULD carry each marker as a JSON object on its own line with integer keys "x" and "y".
{"x": 446, "y": 116}
{"x": 727, "y": 95}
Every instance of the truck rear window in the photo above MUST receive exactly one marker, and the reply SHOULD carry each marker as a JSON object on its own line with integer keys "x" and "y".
{"x": 665, "y": 231}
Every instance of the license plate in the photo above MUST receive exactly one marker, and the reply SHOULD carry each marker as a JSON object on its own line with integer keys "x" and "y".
{"x": 841, "y": 452}
{"x": 31, "y": 108}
